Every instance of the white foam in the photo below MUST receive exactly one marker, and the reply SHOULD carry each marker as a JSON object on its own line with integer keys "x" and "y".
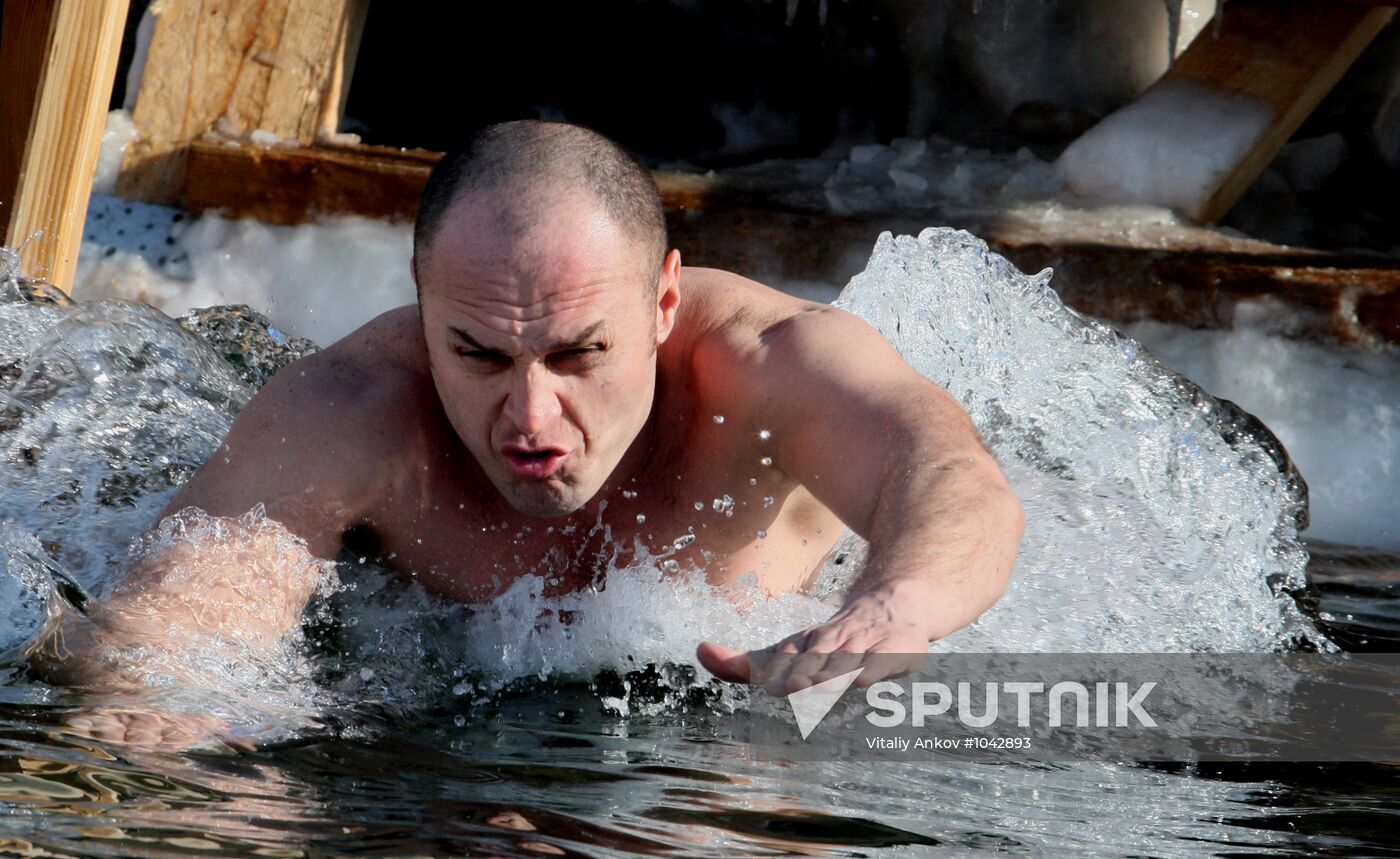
{"x": 118, "y": 135}
{"x": 1336, "y": 411}
{"x": 320, "y": 281}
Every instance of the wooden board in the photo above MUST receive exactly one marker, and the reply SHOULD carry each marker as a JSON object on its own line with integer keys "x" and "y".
{"x": 1229, "y": 103}
{"x": 292, "y": 184}
{"x": 59, "y": 59}
{"x": 1198, "y": 280}
{"x": 232, "y": 67}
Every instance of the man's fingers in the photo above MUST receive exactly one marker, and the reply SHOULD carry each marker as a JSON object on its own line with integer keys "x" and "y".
{"x": 880, "y": 665}
{"x": 841, "y": 662}
{"x": 726, "y": 663}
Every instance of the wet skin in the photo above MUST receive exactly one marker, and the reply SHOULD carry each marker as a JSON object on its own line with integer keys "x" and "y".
{"x": 540, "y": 409}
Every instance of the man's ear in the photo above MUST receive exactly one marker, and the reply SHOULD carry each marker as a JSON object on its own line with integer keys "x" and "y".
{"x": 668, "y": 295}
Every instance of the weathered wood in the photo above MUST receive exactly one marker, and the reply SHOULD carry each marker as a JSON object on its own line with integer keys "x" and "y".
{"x": 59, "y": 59}
{"x": 1318, "y": 295}
{"x": 290, "y": 184}
{"x": 1199, "y": 278}
{"x": 1253, "y": 83}
{"x": 230, "y": 68}
{"x": 338, "y": 91}
{"x": 24, "y": 41}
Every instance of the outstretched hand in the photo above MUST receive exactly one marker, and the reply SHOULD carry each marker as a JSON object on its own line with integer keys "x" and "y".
{"x": 887, "y": 637}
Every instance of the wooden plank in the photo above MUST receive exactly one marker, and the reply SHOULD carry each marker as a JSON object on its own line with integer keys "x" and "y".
{"x": 230, "y": 68}
{"x": 24, "y": 41}
{"x": 69, "y": 73}
{"x": 1197, "y": 280}
{"x": 338, "y": 91}
{"x": 1210, "y": 126}
{"x": 290, "y": 185}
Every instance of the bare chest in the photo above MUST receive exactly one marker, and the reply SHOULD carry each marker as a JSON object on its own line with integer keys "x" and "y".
{"x": 724, "y": 511}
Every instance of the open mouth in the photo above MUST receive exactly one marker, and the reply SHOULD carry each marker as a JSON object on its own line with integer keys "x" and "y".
{"x": 533, "y": 464}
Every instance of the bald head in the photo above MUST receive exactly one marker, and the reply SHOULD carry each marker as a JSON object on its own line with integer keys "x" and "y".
{"x": 524, "y": 167}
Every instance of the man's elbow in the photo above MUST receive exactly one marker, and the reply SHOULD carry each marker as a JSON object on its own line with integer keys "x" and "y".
{"x": 1006, "y": 526}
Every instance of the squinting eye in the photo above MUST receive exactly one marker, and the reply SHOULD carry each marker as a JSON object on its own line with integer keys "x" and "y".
{"x": 475, "y": 355}
{"x": 581, "y": 357}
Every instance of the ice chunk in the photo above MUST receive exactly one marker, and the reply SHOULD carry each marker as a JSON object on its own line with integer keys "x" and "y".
{"x": 1172, "y": 147}
{"x": 908, "y": 181}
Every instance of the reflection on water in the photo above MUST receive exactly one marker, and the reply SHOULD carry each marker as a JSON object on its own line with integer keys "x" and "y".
{"x": 444, "y": 730}
{"x": 547, "y": 772}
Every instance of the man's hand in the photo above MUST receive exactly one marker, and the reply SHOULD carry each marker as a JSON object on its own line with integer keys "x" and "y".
{"x": 883, "y": 630}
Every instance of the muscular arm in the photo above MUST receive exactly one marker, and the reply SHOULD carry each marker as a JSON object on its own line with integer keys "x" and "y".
{"x": 900, "y": 463}
{"x": 218, "y": 572}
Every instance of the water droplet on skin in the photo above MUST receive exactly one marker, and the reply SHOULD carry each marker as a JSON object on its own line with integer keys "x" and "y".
{"x": 719, "y": 419}
{"x": 762, "y": 535}
{"x": 764, "y": 435}
{"x": 641, "y": 519}
{"x": 627, "y": 493}
{"x": 723, "y": 505}
{"x": 767, "y": 501}
{"x": 766, "y": 461}
{"x": 670, "y": 566}
{"x": 804, "y": 542}
{"x": 753, "y": 481}
{"x": 699, "y": 505}
{"x": 682, "y": 541}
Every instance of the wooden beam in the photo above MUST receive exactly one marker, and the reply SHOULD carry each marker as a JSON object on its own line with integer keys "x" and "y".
{"x": 59, "y": 59}
{"x": 232, "y": 67}
{"x": 338, "y": 91}
{"x": 1198, "y": 279}
{"x": 292, "y": 184}
{"x": 1197, "y": 139}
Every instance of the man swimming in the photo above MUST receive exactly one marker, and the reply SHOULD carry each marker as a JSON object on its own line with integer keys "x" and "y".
{"x": 563, "y": 381}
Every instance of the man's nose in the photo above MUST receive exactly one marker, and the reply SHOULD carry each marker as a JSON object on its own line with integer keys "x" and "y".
{"x": 532, "y": 404}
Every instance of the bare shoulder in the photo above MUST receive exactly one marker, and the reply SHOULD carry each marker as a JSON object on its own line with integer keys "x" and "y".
{"x": 318, "y": 444}
{"x": 381, "y": 361}
{"x": 741, "y": 326}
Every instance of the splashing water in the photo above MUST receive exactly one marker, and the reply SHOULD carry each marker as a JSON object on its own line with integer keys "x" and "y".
{"x": 1147, "y": 531}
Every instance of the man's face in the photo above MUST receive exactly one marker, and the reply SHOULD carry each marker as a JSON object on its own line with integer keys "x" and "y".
{"x": 542, "y": 341}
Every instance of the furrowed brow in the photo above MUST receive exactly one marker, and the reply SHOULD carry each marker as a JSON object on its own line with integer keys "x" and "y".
{"x": 468, "y": 340}
{"x": 582, "y": 339}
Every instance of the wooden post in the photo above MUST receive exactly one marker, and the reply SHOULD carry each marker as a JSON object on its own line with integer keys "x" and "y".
{"x": 59, "y": 58}
{"x": 228, "y": 68}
